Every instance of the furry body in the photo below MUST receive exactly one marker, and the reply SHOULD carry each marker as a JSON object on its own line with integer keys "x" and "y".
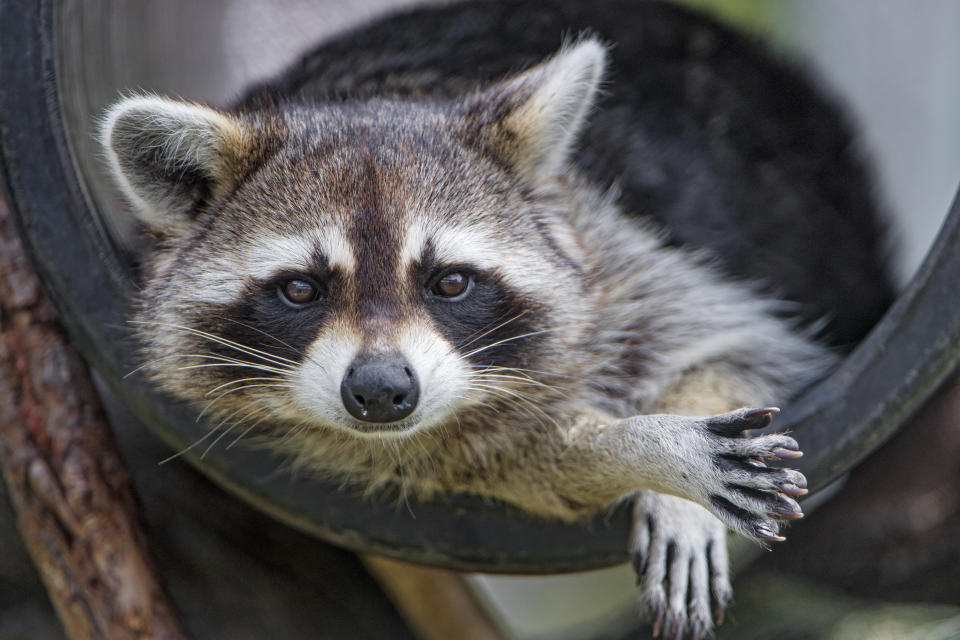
{"x": 605, "y": 256}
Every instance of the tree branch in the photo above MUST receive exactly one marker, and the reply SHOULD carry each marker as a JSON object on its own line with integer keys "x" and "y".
{"x": 75, "y": 506}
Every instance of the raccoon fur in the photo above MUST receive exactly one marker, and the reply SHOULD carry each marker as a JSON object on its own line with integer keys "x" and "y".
{"x": 446, "y": 252}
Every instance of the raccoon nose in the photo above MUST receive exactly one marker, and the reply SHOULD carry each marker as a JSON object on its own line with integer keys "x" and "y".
{"x": 381, "y": 388}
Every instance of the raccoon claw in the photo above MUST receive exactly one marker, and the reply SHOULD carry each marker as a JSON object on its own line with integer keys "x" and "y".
{"x": 786, "y": 454}
{"x": 788, "y": 509}
{"x": 696, "y": 630}
{"x": 718, "y": 614}
{"x": 751, "y": 497}
{"x": 764, "y": 533}
{"x": 657, "y": 618}
{"x": 679, "y": 551}
{"x": 793, "y": 490}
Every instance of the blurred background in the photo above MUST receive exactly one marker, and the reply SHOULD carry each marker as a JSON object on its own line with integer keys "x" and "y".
{"x": 882, "y": 560}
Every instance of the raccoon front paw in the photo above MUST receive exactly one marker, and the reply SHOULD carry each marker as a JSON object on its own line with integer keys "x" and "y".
{"x": 679, "y": 552}
{"x": 746, "y": 494}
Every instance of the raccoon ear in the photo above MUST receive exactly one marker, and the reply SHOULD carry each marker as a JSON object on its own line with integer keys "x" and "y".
{"x": 167, "y": 156}
{"x": 532, "y": 120}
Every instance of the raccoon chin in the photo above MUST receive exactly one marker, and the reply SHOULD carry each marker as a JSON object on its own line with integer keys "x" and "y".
{"x": 399, "y": 430}
{"x": 385, "y": 431}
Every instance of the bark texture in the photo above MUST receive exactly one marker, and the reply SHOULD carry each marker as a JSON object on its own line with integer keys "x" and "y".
{"x": 75, "y": 506}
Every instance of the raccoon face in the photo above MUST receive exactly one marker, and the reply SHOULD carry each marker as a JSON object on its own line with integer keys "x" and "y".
{"x": 372, "y": 267}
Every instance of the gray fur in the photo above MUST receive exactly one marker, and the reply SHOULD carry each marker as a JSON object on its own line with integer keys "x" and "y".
{"x": 611, "y": 339}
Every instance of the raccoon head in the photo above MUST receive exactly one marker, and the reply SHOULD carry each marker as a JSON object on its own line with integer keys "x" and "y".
{"x": 373, "y": 266}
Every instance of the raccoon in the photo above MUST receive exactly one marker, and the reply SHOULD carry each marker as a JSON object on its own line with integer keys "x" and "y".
{"x": 447, "y": 253}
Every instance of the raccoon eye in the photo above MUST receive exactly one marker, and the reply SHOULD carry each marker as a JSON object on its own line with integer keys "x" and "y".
{"x": 451, "y": 285}
{"x": 298, "y": 292}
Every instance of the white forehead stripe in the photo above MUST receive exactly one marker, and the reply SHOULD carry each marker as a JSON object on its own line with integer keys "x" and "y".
{"x": 337, "y": 250}
{"x": 451, "y": 245}
{"x": 522, "y": 267}
{"x": 270, "y": 255}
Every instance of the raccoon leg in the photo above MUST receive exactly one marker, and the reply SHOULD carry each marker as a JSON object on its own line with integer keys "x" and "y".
{"x": 679, "y": 551}
{"x": 678, "y": 547}
{"x": 677, "y": 461}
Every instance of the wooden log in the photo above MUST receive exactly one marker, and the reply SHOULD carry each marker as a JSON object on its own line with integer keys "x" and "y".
{"x": 437, "y": 604}
{"x": 75, "y": 506}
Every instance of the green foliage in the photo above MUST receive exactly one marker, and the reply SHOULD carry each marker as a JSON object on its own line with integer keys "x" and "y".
{"x": 755, "y": 16}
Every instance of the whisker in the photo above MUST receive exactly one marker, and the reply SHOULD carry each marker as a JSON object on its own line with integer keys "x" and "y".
{"x": 493, "y": 386}
{"x": 497, "y": 319}
{"x": 512, "y": 396}
{"x": 250, "y": 351}
{"x": 241, "y": 380}
{"x": 183, "y": 451}
{"x": 189, "y": 355}
{"x": 254, "y": 386}
{"x": 520, "y": 379}
{"x": 520, "y": 386}
{"x": 298, "y": 352}
{"x": 226, "y": 393}
{"x": 150, "y": 362}
{"x": 530, "y": 412}
{"x": 230, "y": 362}
{"x": 233, "y": 426}
{"x": 510, "y": 339}
{"x": 242, "y": 365}
{"x": 479, "y": 402}
{"x": 216, "y": 440}
{"x": 248, "y": 430}
{"x": 456, "y": 416}
{"x": 491, "y": 330}
{"x": 421, "y": 445}
{"x": 264, "y": 333}
{"x": 293, "y": 431}
{"x": 226, "y": 418}
{"x": 553, "y": 374}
